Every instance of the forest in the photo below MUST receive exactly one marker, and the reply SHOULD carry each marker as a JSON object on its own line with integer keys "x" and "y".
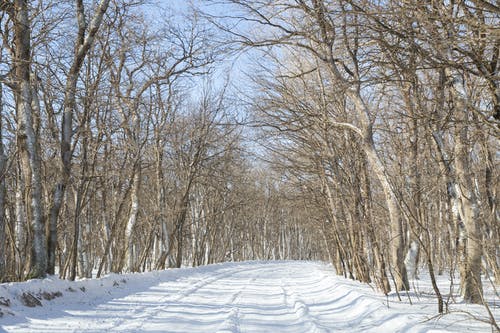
{"x": 140, "y": 135}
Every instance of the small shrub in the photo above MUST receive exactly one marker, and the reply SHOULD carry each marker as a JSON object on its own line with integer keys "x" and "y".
{"x": 30, "y": 301}
{"x": 4, "y": 301}
{"x": 50, "y": 296}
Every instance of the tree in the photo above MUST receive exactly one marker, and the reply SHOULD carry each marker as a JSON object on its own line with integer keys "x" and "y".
{"x": 27, "y": 136}
{"x": 83, "y": 42}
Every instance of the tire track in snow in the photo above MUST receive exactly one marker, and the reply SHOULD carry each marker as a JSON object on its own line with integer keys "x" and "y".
{"x": 349, "y": 308}
{"x": 274, "y": 302}
{"x": 225, "y": 307}
{"x": 206, "y": 281}
{"x": 231, "y": 323}
{"x": 301, "y": 289}
{"x": 146, "y": 314}
{"x": 301, "y": 310}
{"x": 133, "y": 313}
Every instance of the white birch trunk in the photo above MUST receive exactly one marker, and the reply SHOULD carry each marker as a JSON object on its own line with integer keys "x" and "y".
{"x": 231, "y": 241}
{"x": 132, "y": 219}
{"x": 471, "y": 285}
{"x": 411, "y": 259}
{"x": 165, "y": 240}
{"x": 466, "y": 204}
{"x": 83, "y": 254}
{"x": 206, "y": 259}
{"x": 27, "y": 137}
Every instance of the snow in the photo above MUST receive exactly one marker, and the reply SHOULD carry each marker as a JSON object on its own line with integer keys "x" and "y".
{"x": 275, "y": 296}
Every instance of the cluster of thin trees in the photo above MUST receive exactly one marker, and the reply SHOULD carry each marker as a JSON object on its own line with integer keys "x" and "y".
{"x": 386, "y": 116}
{"x": 380, "y": 119}
{"x": 118, "y": 154}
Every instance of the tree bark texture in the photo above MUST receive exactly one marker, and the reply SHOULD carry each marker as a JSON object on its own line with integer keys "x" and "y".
{"x": 28, "y": 137}
{"x": 3, "y": 222}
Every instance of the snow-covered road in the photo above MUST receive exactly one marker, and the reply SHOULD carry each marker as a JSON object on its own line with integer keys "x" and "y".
{"x": 239, "y": 297}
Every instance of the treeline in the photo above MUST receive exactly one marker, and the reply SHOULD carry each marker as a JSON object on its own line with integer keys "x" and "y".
{"x": 386, "y": 116}
{"x": 380, "y": 123}
{"x": 119, "y": 155}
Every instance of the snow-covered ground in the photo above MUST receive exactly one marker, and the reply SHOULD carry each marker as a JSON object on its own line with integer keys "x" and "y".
{"x": 290, "y": 296}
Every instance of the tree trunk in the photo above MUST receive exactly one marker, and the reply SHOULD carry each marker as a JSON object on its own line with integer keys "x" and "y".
{"x": 381, "y": 276}
{"x": 132, "y": 219}
{"x": 415, "y": 203}
{"x": 411, "y": 259}
{"x": 466, "y": 203}
{"x": 471, "y": 265}
{"x": 3, "y": 161}
{"x": 179, "y": 226}
{"x": 76, "y": 231}
{"x": 161, "y": 202}
{"x": 20, "y": 226}
{"x": 397, "y": 243}
{"x": 27, "y": 137}
{"x": 493, "y": 228}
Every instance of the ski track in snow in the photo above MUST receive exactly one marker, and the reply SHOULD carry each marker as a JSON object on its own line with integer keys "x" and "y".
{"x": 251, "y": 297}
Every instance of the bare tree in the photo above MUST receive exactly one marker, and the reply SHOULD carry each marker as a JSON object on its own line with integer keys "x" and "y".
{"x": 27, "y": 136}
{"x": 83, "y": 42}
